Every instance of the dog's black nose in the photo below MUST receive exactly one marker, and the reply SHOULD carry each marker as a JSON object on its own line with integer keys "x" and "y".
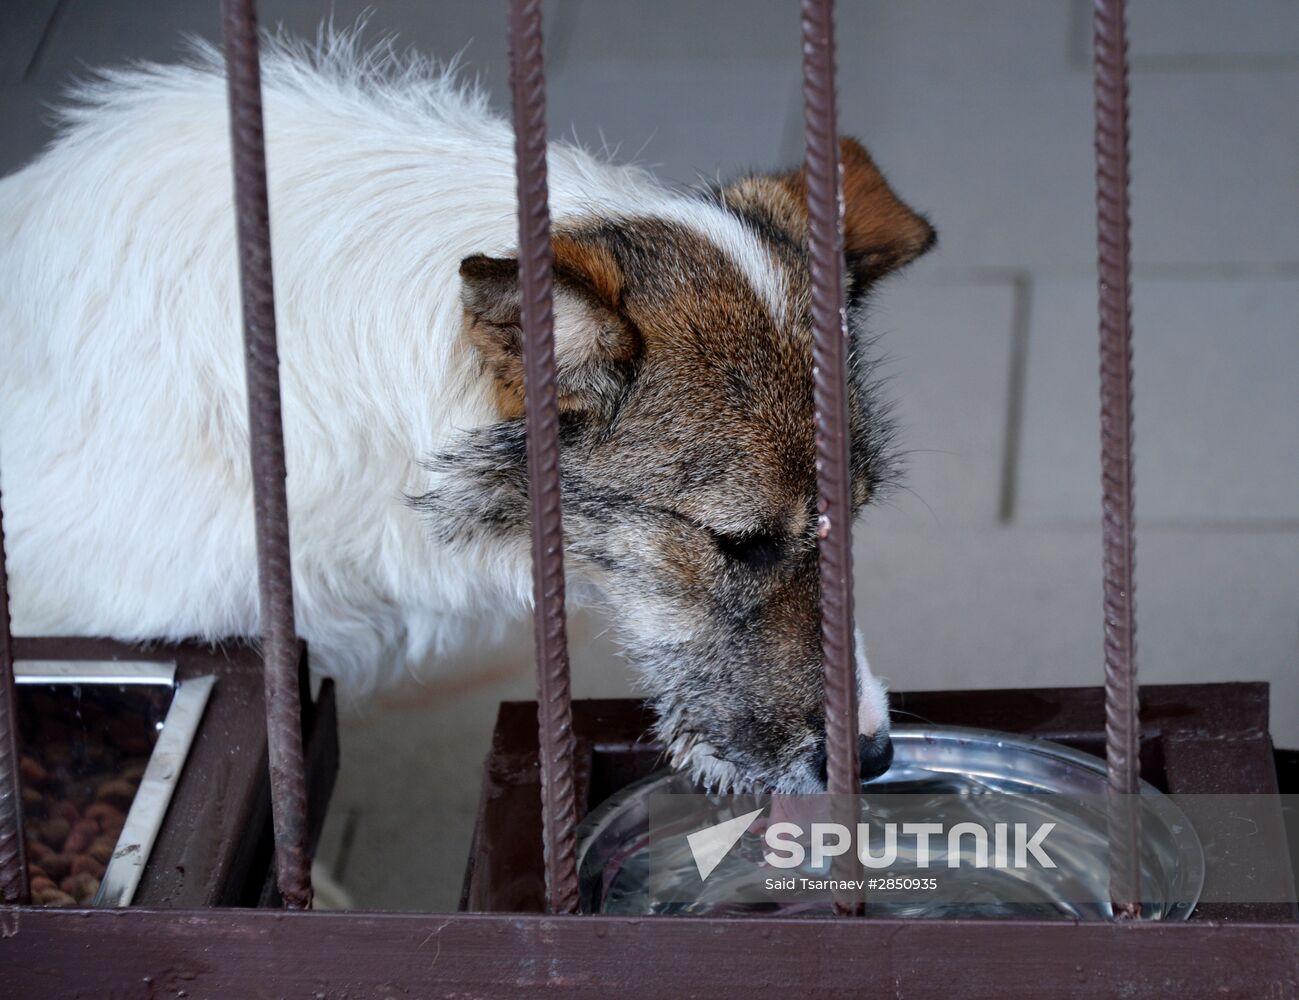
{"x": 875, "y": 752}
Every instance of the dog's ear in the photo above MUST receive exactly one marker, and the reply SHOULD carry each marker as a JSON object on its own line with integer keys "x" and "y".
{"x": 881, "y": 233}
{"x": 595, "y": 345}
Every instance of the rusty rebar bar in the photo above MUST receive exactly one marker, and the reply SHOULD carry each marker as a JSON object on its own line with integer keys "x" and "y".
{"x": 830, "y": 400}
{"x": 13, "y": 855}
{"x": 554, "y": 699}
{"x": 266, "y": 441}
{"x": 1122, "y": 724}
{"x": 830, "y": 405}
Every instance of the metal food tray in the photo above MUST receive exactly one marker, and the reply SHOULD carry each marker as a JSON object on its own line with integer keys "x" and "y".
{"x": 166, "y": 761}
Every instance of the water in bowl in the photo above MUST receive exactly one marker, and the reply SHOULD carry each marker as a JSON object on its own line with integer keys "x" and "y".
{"x": 944, "y": 776}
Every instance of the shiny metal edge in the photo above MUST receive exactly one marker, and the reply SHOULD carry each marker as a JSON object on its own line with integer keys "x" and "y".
{"x": 95, "y": 672}
{"x": 1030, "y": 745}
{"x": 1161, "y": 805}
{"x": 149, "y": 806}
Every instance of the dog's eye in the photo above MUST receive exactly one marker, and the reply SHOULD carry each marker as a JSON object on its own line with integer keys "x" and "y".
{"x": 757, "y": 550}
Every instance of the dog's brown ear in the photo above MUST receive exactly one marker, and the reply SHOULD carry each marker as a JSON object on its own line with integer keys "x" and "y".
{"x": 881, "y": 233}
{"x": 595, "y": 346}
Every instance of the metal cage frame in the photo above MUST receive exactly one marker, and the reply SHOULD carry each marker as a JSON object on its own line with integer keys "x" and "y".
{"x": 210, "y": 952}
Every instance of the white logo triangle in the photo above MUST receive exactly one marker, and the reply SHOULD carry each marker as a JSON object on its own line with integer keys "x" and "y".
{"x": 713, "y": 843}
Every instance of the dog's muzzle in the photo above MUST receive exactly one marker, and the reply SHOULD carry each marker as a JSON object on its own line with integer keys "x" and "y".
{"x": 875, "y": 753}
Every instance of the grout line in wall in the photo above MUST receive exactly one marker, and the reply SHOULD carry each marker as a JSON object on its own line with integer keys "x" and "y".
{"x": 346, "y": 841}
{"x": 560, "y": 34}
{"x": 1078, "y": 53}
{"x": 1078, "y": 47}
{"x": 1174, "y": 525}
{"x": 1221, "y": 271}
{"x": 43, "y": 43}
{"x": 1282, "y": 270}
{"x": 1022, "y": 299}
{"x": 1211, "y": 62}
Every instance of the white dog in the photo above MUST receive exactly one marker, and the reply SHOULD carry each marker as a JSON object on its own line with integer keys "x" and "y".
{"x": 684, "y": 364}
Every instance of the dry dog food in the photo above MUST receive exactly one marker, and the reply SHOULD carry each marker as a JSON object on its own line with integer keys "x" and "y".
{"x": 84, "y": 751}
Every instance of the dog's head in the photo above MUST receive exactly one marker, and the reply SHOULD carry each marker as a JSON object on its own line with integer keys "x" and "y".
{"x": 689, "y": 480}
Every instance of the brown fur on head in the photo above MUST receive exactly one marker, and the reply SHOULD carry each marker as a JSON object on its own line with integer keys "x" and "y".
{"x": 689, "y": 482}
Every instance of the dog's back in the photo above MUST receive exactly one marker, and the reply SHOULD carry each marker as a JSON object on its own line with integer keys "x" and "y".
{"x": 122, "y": 413}
{"x": 122, "y": 409}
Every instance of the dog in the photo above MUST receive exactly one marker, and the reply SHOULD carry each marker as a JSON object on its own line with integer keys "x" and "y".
{"x": 683, "y": 348}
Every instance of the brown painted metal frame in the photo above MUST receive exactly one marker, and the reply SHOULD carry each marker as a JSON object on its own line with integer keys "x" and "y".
{"x": 254, "y": 954}
{"x": 206, "y": 952}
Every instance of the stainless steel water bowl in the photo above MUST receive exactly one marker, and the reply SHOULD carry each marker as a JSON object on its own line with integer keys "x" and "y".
{"x": 935, "y": 768}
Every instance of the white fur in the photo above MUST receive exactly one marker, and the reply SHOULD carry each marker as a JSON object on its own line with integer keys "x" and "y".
{"x": 872, "y": 694}
{"x": 123, "y": 438}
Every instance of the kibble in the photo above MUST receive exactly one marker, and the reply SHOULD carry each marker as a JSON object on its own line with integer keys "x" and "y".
{"x": 102, "y": 849}
{"x": 54, "y": 831}
{"x": 81, "y": 837}
{"x": 31, "y": 771}
{"x": 117, "y": 793}
{"x": 58, "y": 865}
{"x": 105, "y": 816}
{"x": 81, "y": 887}
{"x": 33, "y": 802}
{"x": 84, "y": 864}
{"x": 53, "y": 897}
{"x": 82, "y": 762}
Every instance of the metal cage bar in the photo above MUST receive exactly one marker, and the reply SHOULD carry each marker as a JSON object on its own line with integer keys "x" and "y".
{"x": 830, "y": 398}
{"x": 554, "y": 698}
{"x": 830, "y": 407}
{"x": 13, "y": 860}
{"x": 1122, "y": 726}
{"x": 266, "y": 447}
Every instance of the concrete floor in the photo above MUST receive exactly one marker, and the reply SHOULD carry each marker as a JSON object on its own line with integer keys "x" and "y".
{"x": 987, "y": 572}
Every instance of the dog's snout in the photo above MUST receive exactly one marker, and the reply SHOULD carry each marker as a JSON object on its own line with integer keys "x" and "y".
{"x": 875, "y": 753}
